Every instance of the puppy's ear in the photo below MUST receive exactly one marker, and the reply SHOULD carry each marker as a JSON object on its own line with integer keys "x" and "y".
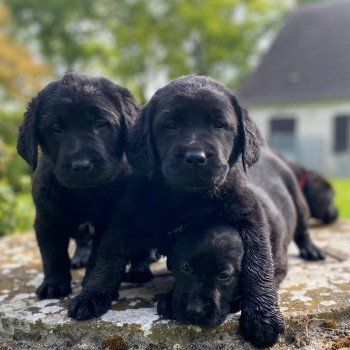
{"x": 249, "y": 136}
{"x": 130, "y": 110}
{"x": 123, "y": 100}
{"x": 27, "y": 142}
{"x": 252, "y": 140}
{"x": 140, "y": 150}
{"x": 125, "y": 103}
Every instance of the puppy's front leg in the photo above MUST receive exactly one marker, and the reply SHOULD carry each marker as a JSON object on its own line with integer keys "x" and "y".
{"x": 53, "y": 242}
{"x": 104, "y": 276}
{"x": 261, "y": 321}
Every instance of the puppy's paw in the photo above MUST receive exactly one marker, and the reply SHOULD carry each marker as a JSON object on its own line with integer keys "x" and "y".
{"x": 138, "y": 275}
{"x": 52, "y": 289}
{"x": 89, "y": 304}
{"x": 164, "y": 306}
{"x": 311, "y": 252}
{"x": 261, "y": 328}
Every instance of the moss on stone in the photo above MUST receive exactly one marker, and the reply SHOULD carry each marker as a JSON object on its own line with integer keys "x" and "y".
{"x": 331, "y": 324}
{"x": 115, "y": 343}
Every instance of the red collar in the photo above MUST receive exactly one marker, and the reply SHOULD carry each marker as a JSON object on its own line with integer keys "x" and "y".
{"x": 302, "y": 180}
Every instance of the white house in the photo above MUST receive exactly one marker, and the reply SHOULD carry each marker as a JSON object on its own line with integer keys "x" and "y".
{"x": 299, "y": 94}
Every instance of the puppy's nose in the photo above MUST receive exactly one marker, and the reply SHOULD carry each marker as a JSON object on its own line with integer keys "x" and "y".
{"x": 82, "y": 165}
{"x": 195, "y": 158}
{"x": 331, "y": 215}
{"x": 195, "y": 311}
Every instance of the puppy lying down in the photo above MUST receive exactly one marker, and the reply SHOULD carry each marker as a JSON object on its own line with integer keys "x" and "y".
{"x": 207, "y": 262}
{"x": 207, "y": 267}
{"x": 318, "y": 192}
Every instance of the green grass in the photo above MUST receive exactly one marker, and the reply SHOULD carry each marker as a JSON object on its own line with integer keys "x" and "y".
{"x": 342, "y": 198}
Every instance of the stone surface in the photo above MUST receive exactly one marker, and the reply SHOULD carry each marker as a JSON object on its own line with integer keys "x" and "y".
{"x": 315, "y": 299}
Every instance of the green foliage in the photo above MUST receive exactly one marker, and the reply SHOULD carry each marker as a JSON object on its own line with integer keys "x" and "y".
{"x": 20, "y": 74}
{"x": 138, "y": 40}
{"x": 7, "y": 210}
{"x": 17, "y": 211}
{"x": 16, "y": 206}
{"x": 59, "y": 26}
{"x": 9, "y": 123}
{"x": 24, "y": 212}
{"x": 308, "y": 2}
{"x": 14, "y": 171}
{"x": 342, "y": 198}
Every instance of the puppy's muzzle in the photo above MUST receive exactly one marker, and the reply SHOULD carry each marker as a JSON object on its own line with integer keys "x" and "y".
{"x": 197, "y": 310}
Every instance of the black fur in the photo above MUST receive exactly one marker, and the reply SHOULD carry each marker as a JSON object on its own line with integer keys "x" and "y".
{"x": 318, "y": 192}
{"x": 80, "y": 124}
{"x": 207, "y": 263}
{"x": 186, "y": 146}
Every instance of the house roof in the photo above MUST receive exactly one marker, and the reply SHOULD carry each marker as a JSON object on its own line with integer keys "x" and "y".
{"x": 308, "y": 60}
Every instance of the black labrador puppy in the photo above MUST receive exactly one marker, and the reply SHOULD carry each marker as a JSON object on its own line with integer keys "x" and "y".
{"x": 318, "y": 192}
{"x": 80, "y": 124}
{"x": 207, "y": 263}
{"x": 191, "y": 145}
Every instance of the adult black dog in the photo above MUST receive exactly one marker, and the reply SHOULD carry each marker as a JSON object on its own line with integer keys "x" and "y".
{"x": 207, "y": 264}
{"x": 187, "y": 145}
{"x": 80, "y": 124}
{"x": 318, "y": 192}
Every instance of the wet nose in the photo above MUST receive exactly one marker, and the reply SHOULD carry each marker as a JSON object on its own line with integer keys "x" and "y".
{"x": 195, "y": 158}
{"x": 195, "y": 311}
{"x": 81, "y": 165}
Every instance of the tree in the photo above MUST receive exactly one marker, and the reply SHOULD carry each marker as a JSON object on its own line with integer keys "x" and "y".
{"x": 138, "y": 40}
{"x": 58, "y": 26}
{"x": 20, "y": 75}
{"x": 307, "y": 2}
{"x": 217, "y": 38}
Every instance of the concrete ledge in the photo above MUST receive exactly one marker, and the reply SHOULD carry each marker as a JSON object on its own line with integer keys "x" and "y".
{"x": 315, "y": 299}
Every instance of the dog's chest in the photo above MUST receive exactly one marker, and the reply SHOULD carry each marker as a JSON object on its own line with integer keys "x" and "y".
{"x": 87, "y": 207}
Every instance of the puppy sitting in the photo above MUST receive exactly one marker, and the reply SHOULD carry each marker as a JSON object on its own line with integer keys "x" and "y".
{"x": 80, "y": 125}
{"x": 207, "y": 263}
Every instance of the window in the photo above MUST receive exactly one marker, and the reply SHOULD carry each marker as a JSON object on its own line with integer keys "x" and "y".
{"x": 341, "y": 133}
{"x": 282, "y": 126}
{"x": 283, "y": 135}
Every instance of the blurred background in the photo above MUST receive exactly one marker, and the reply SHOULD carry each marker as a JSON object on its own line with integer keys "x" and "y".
{"x": 287, "y": 60}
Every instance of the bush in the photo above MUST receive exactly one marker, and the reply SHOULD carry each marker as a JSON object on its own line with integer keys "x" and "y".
{"x": 17, "y": 173}
{"x": 14, "y": 171}
{"x": 9, "y": 123}
{"x": 24, "y": 212}
{"x": 16, "y": 206}
{"x": 7, "y": 210}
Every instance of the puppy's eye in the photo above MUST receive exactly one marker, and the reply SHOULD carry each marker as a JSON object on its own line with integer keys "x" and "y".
{"x": 100, "y": 124}
{"x": 57, "y": 128}
{"x": 218, "y": 124}
{"x": 185, "y": 267}
{"x": 171, "y": 125}
{"x": 224, "y": 277}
